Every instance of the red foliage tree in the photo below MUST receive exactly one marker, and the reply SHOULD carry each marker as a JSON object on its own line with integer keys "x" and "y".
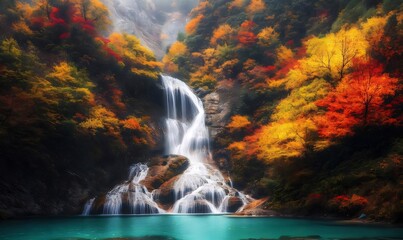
{"x": 359, "y": 99}
{"x": 245, "y": 34}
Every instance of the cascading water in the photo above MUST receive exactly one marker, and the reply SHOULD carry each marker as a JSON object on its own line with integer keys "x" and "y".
{"x": 129, "y": 197}
{"x": 201, "y": 188}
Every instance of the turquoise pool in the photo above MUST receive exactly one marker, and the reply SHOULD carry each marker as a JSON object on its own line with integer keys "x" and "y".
{"x": 185, "y": 227}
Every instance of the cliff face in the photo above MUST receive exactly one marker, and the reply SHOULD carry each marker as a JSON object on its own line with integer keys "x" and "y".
{"x": 218, "y": 105}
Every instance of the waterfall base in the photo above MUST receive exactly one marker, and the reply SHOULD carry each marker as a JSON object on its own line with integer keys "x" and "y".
{"x": 175, "y": 184}
{"x": 158, "y": 189}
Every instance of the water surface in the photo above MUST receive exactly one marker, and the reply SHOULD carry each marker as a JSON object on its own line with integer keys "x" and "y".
{"x": 187, "y": 227}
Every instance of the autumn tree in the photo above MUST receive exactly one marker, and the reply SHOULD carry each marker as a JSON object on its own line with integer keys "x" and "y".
{"x": 192, "y": 25}
{"x": 267, "y": 36}
{"x": 333, "y": 54}
{"x": 246, "y": 36}
{"x": 358, "y": 100}
{"x": 170, "y": 60}
{"x": 284, "y": 54}
{"x": 238, "y": 122}
{"x": 204, "y": 77}
{"x": 255, "y": 6}
{"x": 222, "y": 34}
{"x": 139, "y": 59}
{"x": 94, "y": 11}
{"x": 102, "y": 121}
{"x": 281, "y": 139}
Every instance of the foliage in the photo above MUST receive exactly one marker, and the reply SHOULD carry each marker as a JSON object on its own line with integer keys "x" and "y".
{"x": 308, "y": 75}
{"x": 359, "y": 99}
{"x": 72, "y": 112}
{"x": 237, "y": 122}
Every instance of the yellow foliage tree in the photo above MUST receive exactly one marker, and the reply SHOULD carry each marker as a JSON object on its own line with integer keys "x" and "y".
{"x": 222, "y": 34}
{"x": 238, "y": 122}
{"x": 373, "y": 29}
{"x": 176, "y": 50}
{"x": 102, "y": 120}
{"x": 237, "y": 4}
{"x": 140, "y": 59}
{"x": 333, "y": 54}
{"x": 204, "y": 76}
{"x": 67, "y": 83}
{"x": 255, "y": 6}
{"x": 283, "y": 139}
{"x": 284, "y": 54}
{"x": 301, "y": 101}
{"x": 267, "y": 36}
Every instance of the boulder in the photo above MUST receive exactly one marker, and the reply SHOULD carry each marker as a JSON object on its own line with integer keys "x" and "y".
{"x": 162, "y": 169}
{"x": 166, "y": 193}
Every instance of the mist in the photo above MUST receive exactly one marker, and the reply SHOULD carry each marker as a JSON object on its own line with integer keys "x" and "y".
{"x": 155, "y": 22}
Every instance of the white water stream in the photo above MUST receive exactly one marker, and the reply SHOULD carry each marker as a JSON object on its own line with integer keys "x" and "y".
{"x": 201, "y": 188}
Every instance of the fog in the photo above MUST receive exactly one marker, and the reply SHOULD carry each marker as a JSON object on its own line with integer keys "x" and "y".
{"x": 155, "y": 22}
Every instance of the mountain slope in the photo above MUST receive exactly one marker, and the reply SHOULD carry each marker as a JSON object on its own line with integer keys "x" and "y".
{"x": 314, "y": 94}
{"x": 76, "y": 108}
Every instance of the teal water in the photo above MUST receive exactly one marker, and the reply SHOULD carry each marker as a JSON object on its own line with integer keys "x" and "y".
{"x": 185, "y": 228}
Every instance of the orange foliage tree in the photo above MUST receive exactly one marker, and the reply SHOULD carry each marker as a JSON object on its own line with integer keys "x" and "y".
{"x": 192, "y": 25}
{"x": 238, "y": 122}
{"x": 221, "y": 34}
{"x": 255, "y": 6}
{"x": 359, "y": 99}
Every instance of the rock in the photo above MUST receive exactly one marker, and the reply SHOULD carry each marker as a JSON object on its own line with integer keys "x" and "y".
{"x": 256, "y": 208}
{"x": 162, "y": 169}
{"x": 202, "y": 92}
{"x": 166, "y": 193}
{"x": 217, "y": 105}
{"x": 234, "y": 203}
{"x": 98, "y": 205}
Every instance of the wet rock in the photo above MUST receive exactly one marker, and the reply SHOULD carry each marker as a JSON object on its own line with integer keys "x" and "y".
{"x": 166, "y": 193}
{"x": 234, "y": 203}
{"x": 98, "y": 205}
{"x": 162, "y": 169}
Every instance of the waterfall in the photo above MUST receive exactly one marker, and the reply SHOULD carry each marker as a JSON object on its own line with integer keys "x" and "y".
{"x": 202, "y": 187}
{"x": 129, "y": 197}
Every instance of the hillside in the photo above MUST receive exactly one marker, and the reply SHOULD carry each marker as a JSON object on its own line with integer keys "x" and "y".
{"x": 77, "y": 105}
{"x": 314, "y": 96}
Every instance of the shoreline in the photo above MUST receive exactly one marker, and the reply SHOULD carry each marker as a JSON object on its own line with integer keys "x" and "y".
{"x": 336, "y": 220}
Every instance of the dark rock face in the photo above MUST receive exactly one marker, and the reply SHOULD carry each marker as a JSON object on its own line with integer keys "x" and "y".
{"x": 166, "y": 195}
{"x": 234, "y": 203}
